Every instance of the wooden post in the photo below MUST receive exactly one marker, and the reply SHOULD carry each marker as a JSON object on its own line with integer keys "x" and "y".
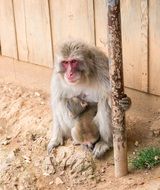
{"x": 116, "y": 77}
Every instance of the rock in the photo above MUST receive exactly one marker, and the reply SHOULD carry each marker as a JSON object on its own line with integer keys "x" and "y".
{"x": 91, "y": 177}
{"x": 58, "y": 181}
{"x": 156, "y": 133}
{"x": 51, "y": 182}
{"x": 37, "y": 94}
{"x": 48, "y": 166}
{"x": 11, "y": 157}
{"x": 6, "y": 141}
{"x": 103, "y": 170}
{"x": 157, "y": 157}
{"x": 136, "y": 143}
{"x": 155, "y": 127}
{"x": 62, "y": 173}
{"x": 42, "y": 103}
{"x": 27, "y": 159}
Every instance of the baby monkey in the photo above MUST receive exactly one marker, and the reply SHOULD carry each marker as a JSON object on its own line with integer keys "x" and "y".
{"x": 84, "y": 130}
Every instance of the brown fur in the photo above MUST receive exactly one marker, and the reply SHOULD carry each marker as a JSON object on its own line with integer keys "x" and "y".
{"x": 84, "y": 131}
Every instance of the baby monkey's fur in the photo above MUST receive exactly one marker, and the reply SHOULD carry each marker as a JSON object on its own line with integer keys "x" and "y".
{"x": 84, "y": 131}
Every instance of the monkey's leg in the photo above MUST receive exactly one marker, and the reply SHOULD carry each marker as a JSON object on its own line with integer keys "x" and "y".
{"x": 56, "y": 136}
{"x": 103, "y": 120}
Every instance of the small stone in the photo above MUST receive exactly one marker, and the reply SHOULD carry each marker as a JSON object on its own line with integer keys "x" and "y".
{"x": 103, "y": 170}
{"x": 16, "y": 151}
{"x": 8, "y": 138}
{"x": 46, "y": 174}
{"x": 133, "y": 153}
{"x": 51, "y": 182}
{"x": 62, "y": 173}
{"x": 37, "y": 94}
{"x": 136, "y": 143}
{"x": 157, "y": 158}
{"x": 27, "y": 159}
{"x": 6, "y": 142}
{"x": 48, "y": 167}
{"x": 103, "y": 180}
{"x": 156, "y": 133}
{"x": 58, "y": 181}
{"x": 91, "y": 176}
{"x": 42, "y": 103}
{"x": 98, "y": 179}
{"x": 11, "y": 157}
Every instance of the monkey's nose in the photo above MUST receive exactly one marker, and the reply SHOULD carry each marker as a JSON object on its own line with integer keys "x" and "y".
{"x": 71, "y": 74}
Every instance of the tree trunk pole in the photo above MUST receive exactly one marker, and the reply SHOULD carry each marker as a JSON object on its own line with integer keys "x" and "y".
{"x": 116, "y": 77}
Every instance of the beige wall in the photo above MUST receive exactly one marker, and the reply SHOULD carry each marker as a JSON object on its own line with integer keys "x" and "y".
{"x": 30, "y": 31}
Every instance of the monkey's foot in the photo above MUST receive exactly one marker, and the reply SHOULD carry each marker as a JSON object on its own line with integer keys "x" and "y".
{"x": 100, "y": 149}
{"x": 76, "y": 143}
{"x": 87, "y": 147}
{"x": 54, "y": 143}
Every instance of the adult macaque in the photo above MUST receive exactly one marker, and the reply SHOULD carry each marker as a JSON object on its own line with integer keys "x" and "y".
{"x": 84, "y": 131}
{"x": 81, "y": 70}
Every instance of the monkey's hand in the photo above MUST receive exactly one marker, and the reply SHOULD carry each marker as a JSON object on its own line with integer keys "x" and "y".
{"x": 100, "y": 149}
{"x": 125, "y": 102}
{"x": 54, "y": 143}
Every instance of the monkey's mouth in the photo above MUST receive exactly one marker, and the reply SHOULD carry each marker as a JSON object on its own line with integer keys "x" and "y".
{"x": 72, "y": 80}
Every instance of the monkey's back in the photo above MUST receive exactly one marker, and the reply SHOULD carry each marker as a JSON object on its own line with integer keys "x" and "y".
{"x": 86, "y": 130}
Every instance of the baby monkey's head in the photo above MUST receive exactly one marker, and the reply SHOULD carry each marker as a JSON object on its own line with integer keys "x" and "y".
{"x": 76, "y": 106}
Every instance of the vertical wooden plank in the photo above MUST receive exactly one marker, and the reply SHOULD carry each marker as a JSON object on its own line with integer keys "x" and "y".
{"x": 33, "y": 31}
{"x": 144, "y": 44}
{"x": 21, "y": 30}
{"x": 135, "y": 43}
{"x": 72, "y": 20}
{"x": 101, "y": 24}
{"x": 154, "y": 47}
{"x": 7, "y": 29}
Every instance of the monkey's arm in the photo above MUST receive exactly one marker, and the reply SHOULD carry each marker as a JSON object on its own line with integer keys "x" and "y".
{"x": 56, "y": 132}
{"x": 56, "y": 137}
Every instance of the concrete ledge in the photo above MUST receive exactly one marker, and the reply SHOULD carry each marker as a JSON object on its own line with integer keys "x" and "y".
{"x": 25, "y": 74}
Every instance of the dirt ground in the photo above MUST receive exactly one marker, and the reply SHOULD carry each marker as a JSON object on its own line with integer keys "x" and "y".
{"x": 25, "y": 122}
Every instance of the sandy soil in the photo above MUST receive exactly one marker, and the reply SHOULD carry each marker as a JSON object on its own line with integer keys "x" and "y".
{"x": 25, "y": 122}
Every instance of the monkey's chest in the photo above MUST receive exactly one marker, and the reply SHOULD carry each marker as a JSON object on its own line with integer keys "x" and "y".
{"x": 86, "y": 94}
{"x": 89, "y": 96}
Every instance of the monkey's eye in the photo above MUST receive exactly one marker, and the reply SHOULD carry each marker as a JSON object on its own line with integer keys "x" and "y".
{"x": 74, "y": 63}
{"x": 64, "y": 64}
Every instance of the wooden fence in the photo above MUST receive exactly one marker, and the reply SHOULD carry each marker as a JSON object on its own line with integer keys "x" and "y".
{"x": 30, "y": 31}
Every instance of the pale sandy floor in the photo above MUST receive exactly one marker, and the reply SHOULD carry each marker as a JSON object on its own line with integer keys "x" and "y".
{"x": 25, "y": 120}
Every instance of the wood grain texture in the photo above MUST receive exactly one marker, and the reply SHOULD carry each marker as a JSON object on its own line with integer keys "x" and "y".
{"x": 116, "y": 78}
{"x": 134, "y": 16}
{"x": 72, "y": 20}
{"x": 33, "y": 31}
{"x": 101, "y": 29}
{"x": 144, "y": 44}
{"x": 7, "y": 29}
{"x": 154, "y": 47}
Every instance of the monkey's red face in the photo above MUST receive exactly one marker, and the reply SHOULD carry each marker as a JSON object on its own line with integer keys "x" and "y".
{"x": 72, "y": 73}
